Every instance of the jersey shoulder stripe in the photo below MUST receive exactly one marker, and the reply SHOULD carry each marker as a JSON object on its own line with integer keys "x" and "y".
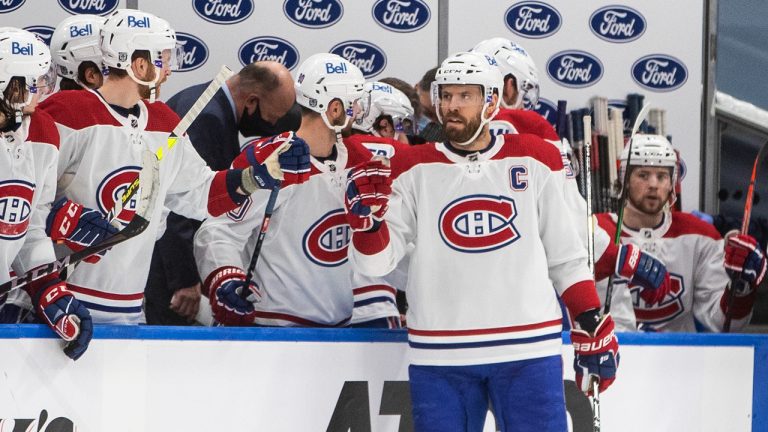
{"x": 42, "y": 129}
{"x": 161, "y": 117}
{"x": 527, "y": 145}
{"x": 685, "y": 224}
{"x": 78, "y": 109}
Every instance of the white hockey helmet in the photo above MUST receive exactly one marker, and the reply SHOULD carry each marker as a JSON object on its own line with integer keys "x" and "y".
{"x": 76, "y": 40}
{"x": 24, "y": 55}
{"x": 650, "y": 150}
{"x": 514, "y": 60}
{"x": 323, "y": 77}
{"x": 469, "y": 68}
{"x": 382, "y": 99}
{"x": 129, "y": 30}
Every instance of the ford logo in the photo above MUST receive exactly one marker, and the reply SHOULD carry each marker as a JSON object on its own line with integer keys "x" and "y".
{"x": 574, "y": 69}
{"x": 401, "y": 16}
{"x": 313, "y": 13}
{"x": 547, "y": 109}
{"x": 95, "y": 7}
{"x": 269, "y": 48}
{"x": 10, "y": 5}
{"x": 223, "y": 11}
{"x": 368, "y": 57}
{"x": 195, "y": 52}
{"x": 43, "y": 32}
{"x": 617, "y": 24}
{"x": 659, "y": 72}
{"x": 533, "y": 19}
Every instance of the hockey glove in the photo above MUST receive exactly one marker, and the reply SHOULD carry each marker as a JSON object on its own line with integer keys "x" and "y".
{"x": 77, "y": 227}
{"x": 744, "y": 258}
{"x": 596, "y": 355}
{"x": 63, "y": 313}
{"x": 229, "y": 307}
{"x": 283, "y": 157}
{"x": 368, "y": 189}
{"x": 643, "y": 269}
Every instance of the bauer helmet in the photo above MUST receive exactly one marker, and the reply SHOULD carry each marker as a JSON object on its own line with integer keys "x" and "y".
{"x": 323, "y": 77}
{"x": 382, "y": 99}
{"x": 514, "y": 60}
{"x": 76, "y": 40}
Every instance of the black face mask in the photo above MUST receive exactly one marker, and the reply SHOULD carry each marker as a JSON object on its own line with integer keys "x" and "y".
{"x": 253, "y": 125}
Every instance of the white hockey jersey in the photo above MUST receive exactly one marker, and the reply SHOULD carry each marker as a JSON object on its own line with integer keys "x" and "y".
{"x": 100, "y": 155}
{"x": 693, "y": 253}
{"x": 28, "y": 158}
{"x": 303, "y": 270}
{"x": 490, "y": 242}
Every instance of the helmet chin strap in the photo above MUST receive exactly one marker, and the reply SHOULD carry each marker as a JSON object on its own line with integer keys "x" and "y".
{"x": 152, "y": 84}
{"x": 336, "y": 129}
{"x": 483, "y": 121}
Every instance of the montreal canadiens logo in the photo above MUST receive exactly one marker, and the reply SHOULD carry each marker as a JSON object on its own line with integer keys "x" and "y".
{"x": 617, "y": 24}
{"x": 547, "y": 109}
{"x": 269, "y": 48}
{"x": 659, "y": 72}
{"x": 313, "y": 13}
{"x": 43, "y": 32}
{"x": 223, "y": 11}
{"x": 10, "y": 5}
{"x": 15, "y": 208}
{"x": 574, "y": 69}
{"x": 195, "y": 51}
{"x": 670, "y": 307}
{"x": 368, "y": 57}
{"x": 401, "y": 16}
{"x": 533, "y": 20}
{"x": 326, "y": 242}
{"x": 95, "y": 7}
{"x": 478, "y": 223}
{"x": 112, "y": 188}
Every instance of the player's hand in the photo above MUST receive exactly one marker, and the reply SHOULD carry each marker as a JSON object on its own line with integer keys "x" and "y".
{"x": 284, "y": 156}
{"x": 77, "y": 227}
{"x": 64, "y": 314}
{"x": 186, "y": 301}
{"x": 596, "y": 355}
{"x": 744, "y": 259}
{"x": 643, "y": 269}
{"x": 227, "y": 302}
{"x": 368, "y": 189}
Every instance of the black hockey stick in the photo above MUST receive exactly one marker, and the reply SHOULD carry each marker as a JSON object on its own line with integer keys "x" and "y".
{"x": 737, "y": 284}
{"x": 178, "y": 131}
{"x": 268, "y": 210}
{"x": 149, "y": 176}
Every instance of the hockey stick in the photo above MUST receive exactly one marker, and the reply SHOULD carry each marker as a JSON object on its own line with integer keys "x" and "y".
{"x": 744, "y": 230}
{"x": 623, "y": 202}
{"x": 180, "y": 129}
{"x": 150, "y": 176}
{"x": 268, "y": 210}
{"x": 594, "y": 383}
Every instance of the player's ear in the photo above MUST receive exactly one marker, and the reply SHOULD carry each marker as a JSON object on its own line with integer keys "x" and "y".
{"x": 335, "y": 110}
{"x": 492, "y": 106}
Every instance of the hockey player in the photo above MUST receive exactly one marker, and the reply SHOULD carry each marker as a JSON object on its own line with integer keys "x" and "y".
{"x": 313, "y": 233}
{"x": 385, "y": 110}
{"x": 76, "y": 52}
{"x": 693, "y": 251}
{"x": 28, "y": 159}
{"x": 485, "y": 215}
{"x": 521, "y": 90}
{"x": 103, "y": 134}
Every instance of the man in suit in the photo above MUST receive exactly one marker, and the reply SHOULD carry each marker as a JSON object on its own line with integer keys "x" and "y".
{"x": 257, "y": 101}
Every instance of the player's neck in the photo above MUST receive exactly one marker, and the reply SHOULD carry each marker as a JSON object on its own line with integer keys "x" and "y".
{"x": 636, "y": 219}
{"x": 479, "y": 144}
{"x": 319, "y": 138}
{"x": 121, "y": 92}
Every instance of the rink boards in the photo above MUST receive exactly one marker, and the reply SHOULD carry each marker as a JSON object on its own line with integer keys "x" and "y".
{"x": 203, "y": 379}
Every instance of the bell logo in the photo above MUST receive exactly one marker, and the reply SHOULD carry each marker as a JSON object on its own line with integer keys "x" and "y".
{"x": 75, "y": 31}
{"x": 133, "y": 22}
{"x": 335, "y": 69}
{"x": 25, "y": 50}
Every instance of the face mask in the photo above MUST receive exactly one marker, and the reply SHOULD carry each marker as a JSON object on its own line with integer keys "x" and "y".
{"x": 252, "y": 124}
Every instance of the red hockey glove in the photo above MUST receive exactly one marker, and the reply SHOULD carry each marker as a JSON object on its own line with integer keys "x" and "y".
{"x": 225, "y": 285}
{"x": 368, "y": 189}
{"x": 283, "y": 157}
{"x": 744, "y": 258}
{"x": 63, "y": 313}
{"x": 596, "y": 355}
{"x": 78, "y": 227}
{"x": 643, "y": 269}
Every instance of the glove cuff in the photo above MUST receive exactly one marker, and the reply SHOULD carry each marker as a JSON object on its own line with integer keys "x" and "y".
{"x": 221, "y": 275}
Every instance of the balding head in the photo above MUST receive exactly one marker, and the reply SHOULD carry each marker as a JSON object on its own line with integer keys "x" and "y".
{"x": 267, "y": 84}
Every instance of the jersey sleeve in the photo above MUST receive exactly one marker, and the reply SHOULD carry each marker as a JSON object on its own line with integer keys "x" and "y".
{"x": 377, "y": 254}
{"x": 710, "y": 281}
{"x": 190, "y": 190}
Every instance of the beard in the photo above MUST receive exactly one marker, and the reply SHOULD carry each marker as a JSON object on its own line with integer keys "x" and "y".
{"x": 648, "y": 205}
{"x": 456, "y": 134}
